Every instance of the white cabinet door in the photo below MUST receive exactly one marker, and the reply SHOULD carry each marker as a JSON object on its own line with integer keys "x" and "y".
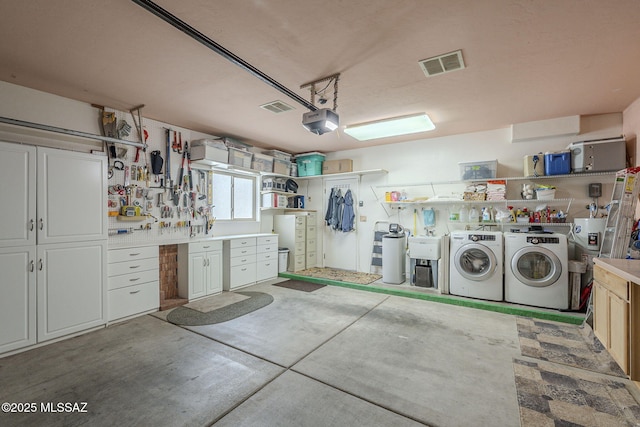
{"x": 18, "y": 301}
{"x": 197, "y": 275}
{"x": 18, "y": 194}
{"x": 214, "y": 272}
{"x": 72, "y": 196}
{"x": 71, "y": 296}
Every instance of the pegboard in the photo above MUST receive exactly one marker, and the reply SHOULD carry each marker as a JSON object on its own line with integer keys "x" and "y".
{"x": 166, "y": 221}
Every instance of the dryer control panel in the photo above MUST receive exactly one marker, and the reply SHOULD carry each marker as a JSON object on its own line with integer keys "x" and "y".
{"x": 482, "y": 237}
{"x": 536, "y": 240}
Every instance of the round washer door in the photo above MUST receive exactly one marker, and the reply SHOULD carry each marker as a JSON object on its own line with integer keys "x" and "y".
{"x": 475, "y": 262}
{"x": 536, "y": 266}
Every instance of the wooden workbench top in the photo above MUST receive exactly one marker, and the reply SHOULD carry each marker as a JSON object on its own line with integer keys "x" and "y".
{"x": 628, "y": 269}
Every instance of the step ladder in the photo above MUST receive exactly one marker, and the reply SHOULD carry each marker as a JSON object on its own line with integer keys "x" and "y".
{"x": 380, "y": 228}
{"x": 617, "y": 231}
{"x": 620, "y": 220}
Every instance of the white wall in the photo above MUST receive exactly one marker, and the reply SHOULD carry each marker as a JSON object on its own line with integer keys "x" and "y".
{"x": 427, "y": 160}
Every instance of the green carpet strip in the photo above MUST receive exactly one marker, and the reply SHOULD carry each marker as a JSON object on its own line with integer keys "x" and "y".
{"x": 447, "y": 299}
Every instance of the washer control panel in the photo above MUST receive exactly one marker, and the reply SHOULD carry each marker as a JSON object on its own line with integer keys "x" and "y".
{"x": 482, "y": 237}
{"x": 536, "y": 240}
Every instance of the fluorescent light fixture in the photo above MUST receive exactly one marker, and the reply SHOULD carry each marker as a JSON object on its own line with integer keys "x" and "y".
{"x": 391, "y": 127}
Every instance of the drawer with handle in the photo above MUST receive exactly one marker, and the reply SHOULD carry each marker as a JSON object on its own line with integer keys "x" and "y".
{"x": 137, "y": 278}
{"x": 206, "y": 246}
{"x": 120, "y": 255}
{"x": 115, "y": 269}
{"x": 132, "y": 300}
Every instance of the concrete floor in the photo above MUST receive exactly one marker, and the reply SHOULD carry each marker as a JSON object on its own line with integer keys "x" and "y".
{"x": 332, "y": 357}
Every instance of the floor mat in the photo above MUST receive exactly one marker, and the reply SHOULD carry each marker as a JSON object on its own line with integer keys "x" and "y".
{"x": 340, "y": 275}
{"x": 186, "y": 316}
{"x": 565, "y": 344}
{"x": 300, "y": 286}
{"x": 554, "y": 395}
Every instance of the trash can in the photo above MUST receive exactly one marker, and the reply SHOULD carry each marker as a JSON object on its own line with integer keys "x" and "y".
{"x": 393, "y": 255}
{"x": 283, "y": 259}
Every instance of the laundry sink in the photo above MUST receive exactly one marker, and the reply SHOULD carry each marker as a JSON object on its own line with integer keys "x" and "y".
{"x": 425, "y": 247}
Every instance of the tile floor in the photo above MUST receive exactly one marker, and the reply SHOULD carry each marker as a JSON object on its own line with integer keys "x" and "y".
{"x": 332, "y": 357}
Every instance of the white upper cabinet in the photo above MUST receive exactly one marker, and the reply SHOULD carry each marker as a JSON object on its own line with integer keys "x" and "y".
{"x": 71, "y": 196}
{"x": 18, "y": 195}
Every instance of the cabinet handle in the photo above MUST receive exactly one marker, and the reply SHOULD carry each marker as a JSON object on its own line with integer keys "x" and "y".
{"x": 243, "y": 260}
{"x": 208, "y": 262}
{"x": 40, "y": 264}
{"x": 31, "y": 225}
{"x": 243, "y": 252}
{"x": 243, "y": 243}
{"x": 136, "y": 254}
{"x": 32, "y": 266}
{"x": 243, "y": 269}
{"x": 134, "y": 279}
{"x": 204, "y": 262}
{"x": 134, "y": 292}
{"x": 134, "y": 266}
{"x": 206, "y": 247}
{"x": 267, "y": 264}
{"x": 41, "y": 224}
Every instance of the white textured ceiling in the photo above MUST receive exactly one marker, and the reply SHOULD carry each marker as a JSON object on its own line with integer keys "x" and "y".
{"x": 526, "y": 60}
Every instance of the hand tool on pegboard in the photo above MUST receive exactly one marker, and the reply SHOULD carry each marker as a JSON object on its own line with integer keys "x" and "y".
{"x": 141, "y": 132}
{"x": 167, "y": 171}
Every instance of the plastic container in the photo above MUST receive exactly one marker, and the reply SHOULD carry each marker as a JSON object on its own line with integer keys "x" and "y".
{"x": 281, "y": 166}
{"x": 557, "y": 163}
{"x": 210, "y": 150}
{"x": 239, "y": 157}
{"x": 310, "y": 164}
{"x": 282, "y": 155}
{"x": 283, "y": 259}
{"x": 478, "y": 170}
{"x": 262, "y": 162}
{"x": 546, "y": 193}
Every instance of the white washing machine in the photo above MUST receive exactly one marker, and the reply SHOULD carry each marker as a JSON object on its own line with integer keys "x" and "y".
{"x": 476, "y": 264}
{"x": 536, "y": 269}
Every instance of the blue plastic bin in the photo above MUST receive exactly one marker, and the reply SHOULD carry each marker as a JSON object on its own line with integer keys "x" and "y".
{"x": 557, "y": 163}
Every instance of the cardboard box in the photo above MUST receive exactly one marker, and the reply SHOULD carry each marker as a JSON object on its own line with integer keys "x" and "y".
{"x": 337, "y": 166}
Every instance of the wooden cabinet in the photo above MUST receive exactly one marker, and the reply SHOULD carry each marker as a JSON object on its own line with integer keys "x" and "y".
{"x": 134, "y": 281}
{"x": 199, "y": 269}
{"x": 53, "y": 238}
{"x": 611, "y": 310}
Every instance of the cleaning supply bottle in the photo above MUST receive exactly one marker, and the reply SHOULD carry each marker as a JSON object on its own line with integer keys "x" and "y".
{"x": 464, "y": 214}
{"x": 473, "y": 214}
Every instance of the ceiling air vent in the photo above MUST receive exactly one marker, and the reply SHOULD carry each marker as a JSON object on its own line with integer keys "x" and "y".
{"x": 277, "y": 107}
{"x": 442, "y": 64}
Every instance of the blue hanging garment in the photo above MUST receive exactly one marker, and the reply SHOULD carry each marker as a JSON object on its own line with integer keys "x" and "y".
{"x": 348, "y": 214}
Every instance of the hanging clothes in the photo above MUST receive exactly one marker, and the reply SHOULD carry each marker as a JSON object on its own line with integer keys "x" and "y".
{"x": 348, "y": 213}
{"x": 332, "y": 217}
{"x": 330, "y": 207}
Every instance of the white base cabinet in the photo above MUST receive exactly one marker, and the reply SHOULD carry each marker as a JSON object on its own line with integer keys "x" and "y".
{"x": 134, "y": 281}
{"x": 249, "y": 260}
{"x": 18, "y": 302}
{"x": 199, "y": 269}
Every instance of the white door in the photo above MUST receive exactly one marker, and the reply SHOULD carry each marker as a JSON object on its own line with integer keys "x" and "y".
{"x": 340, "y": 249}
{"x": 71, "y": 296}
{"x": 18, "y": 194}
{"x": 197, "y": 275}
{"x": 72, "y": 196}
{"x": 18, "y": 301}
{"x": 214, "y": 270}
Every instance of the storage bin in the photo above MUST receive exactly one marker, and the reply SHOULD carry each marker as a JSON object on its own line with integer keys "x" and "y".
{"x": 239, "y": 157}
{"x": 337, "y": 166}
{"x": 310, "y": 164}
{"x": 478, "y": 170}
{"x": 209, "y": 150}
{"x": 278, "y": 154}
{"x": 557, "y": 163}
{"x": 234, "y": 143}
{"x": 262, "y": 162}
{"x": 534, "y": 165}
{"x": 546, "y": 193}
{"x": 281, "y": 166}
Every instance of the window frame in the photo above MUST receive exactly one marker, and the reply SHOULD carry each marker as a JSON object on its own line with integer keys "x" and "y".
{"x": 254, "y": 188}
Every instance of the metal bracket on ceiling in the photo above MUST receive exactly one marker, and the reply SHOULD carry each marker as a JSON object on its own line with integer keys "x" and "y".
{"x": 328, "y": 79}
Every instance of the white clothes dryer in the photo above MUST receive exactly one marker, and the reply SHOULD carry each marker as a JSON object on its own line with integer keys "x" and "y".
{"x": 476, "y": 266}
{"x": 536, "y": 269}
